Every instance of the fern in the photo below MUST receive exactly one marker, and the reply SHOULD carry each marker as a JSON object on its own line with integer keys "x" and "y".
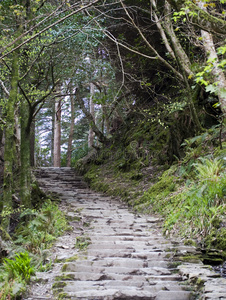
{"x": 20, "y": 266}
{"x": 208, "y": 169}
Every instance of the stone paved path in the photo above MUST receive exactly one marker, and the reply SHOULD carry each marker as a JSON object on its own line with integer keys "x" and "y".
{"x": 121, "y": 256}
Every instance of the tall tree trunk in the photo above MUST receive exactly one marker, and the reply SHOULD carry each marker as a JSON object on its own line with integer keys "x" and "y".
{"x": 9, "y": 152}
{"x": 106, "y": 123}
{"x": 32, "y": 144}
{"x": 72, "y": 126}
{"x": 92, "y": 112}
{"x": 17, "y": 133}
{"x": 57, "y": 134}
{"x": 25, "y": 169}
{"x": 218, "y": 74}
{"x": 53, "y": 131}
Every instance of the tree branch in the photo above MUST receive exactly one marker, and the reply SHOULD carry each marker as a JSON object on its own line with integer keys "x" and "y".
{"x": 159, "y": 57}
{"x": 201, "y": 18}
{"x": 47, "y": 28}
{"x": 4, "y": 87}
{"x": 89, "y": 116}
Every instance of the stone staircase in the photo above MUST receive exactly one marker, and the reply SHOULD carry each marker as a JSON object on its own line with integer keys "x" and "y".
{"x": 111, "y": 254}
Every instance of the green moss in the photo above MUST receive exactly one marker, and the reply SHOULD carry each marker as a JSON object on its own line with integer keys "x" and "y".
{"x": 37, "y": 195}
{"x": 64, "y": 268}
{"x": 57, "y": 291}
{"x": 156, "y": 195}
{"x": 73, "y": 218}
{"x": 189, "y": 242}
{"x": 199, "y": 282}
{"x": 59, "y": 284}
{"x": 174, "y": 264}
{"x": 65, "y": 277}
{"x": 168, "y": 255}
{"x": 62, "y": 296}
{"x": 72, "y": 258}
{"x": 216, "y": 239}
{"x": 190, "y": 258}
{"x": 166, "y": 184}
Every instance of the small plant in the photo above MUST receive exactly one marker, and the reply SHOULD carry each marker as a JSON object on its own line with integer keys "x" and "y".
{"x": 82, "y": 242}
{"x": 20, "y": 266}
{"x": 46, "y": 224}
{"x": 208, "y": 169}
{"x": 15, "y": 273}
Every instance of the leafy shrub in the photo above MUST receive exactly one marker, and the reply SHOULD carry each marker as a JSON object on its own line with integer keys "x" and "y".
{"x": 20, "y": 266}
{"x": 43, "y": 228}
{"x": 15, "y": 273}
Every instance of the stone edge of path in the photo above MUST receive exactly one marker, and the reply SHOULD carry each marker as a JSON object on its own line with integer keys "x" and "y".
{"x": 210, "y": 284}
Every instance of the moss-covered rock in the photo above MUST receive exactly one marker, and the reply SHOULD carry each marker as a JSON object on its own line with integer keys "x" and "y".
{"x": 217, "y": 240}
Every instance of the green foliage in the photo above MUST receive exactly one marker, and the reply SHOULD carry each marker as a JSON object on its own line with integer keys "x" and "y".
{"x": 43, "y": 228}
{"x": 197, "y": 208}
{"x": 208, "y": 170}
{"x": 20, "y": 266}
{"x": 205, "y": 77}
{"x": 35, "y": 235}
{"x": 15, "y": 273}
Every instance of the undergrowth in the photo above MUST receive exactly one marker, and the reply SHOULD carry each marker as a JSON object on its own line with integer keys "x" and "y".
{"x": 191, "y": 195}
{"x": 29, "y": 248}
{"x": 200, "y": 206}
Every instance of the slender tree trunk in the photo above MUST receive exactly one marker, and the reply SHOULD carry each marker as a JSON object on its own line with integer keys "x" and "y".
{"x": 161, "y": 29}
{"x": 184, "y": 65}
{"x": 17, "y": 134}
{"x": 53, "y": 131}
{"x": 72, "y": 125}
{"x": 9, "y": 153}
{"x": 102, "y": 138}
{"x": 25, "y": 169}
{"x": 32, "y": 144}
{"x": 92, "y": 112}
{"x": 176, "y": 45}
{"x": 57, "y": 134}
{"x": 2, "y": 146}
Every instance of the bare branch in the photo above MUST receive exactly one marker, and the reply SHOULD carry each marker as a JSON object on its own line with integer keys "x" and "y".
{"x": 2, "y": 121}
{"x": 4, "y": 87}
{"x": 159, "y": 57}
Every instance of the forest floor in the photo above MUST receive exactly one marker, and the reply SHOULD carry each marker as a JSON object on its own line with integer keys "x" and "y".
{"x": 114, "y": 253}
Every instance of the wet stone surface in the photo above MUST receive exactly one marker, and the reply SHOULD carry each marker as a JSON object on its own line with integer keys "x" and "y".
{"x": 112, "y": 253}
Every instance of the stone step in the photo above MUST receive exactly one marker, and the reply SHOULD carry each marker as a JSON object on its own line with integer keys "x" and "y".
{"x": 126, "y": 294}
{"x": 78, "y": 286}
{"x": 152, "y": 273}
{"x": 39, "y": 297}
{"x": 111, "y": 294}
